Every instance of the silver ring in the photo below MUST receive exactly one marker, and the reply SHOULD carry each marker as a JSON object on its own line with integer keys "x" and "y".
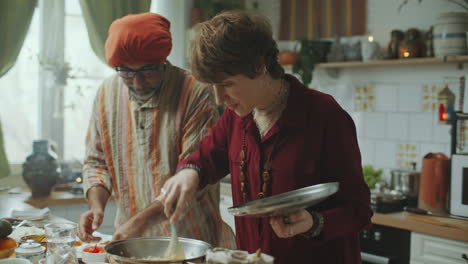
{"x": 163, "y": 191}
{"x": 286, "y": 220}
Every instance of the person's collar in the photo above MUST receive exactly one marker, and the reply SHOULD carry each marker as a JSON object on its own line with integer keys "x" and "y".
{"x": 294, "y": 115}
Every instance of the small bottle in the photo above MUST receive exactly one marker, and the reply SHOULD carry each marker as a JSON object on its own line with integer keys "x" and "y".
{"x": 429, "y": 43}
{"x": 31, "y": 251}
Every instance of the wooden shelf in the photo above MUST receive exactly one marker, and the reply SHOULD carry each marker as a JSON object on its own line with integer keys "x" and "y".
{"x": 413, "y": 61}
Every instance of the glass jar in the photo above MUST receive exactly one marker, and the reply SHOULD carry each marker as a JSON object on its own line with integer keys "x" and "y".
{"x": 60, "y": 243}
{"x": 397, "y": 37}
{"x": 31, "y": 251}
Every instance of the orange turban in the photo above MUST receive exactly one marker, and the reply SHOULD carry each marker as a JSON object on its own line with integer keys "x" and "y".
{"x": 138, "y": 38}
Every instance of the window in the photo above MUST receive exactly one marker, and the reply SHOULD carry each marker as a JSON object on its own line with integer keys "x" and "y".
{"x": 19, "y": 108}
{"x": 19, "y": 101}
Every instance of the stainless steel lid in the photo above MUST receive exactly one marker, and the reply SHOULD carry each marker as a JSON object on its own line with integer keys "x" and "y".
{"x": 284, "y": 203}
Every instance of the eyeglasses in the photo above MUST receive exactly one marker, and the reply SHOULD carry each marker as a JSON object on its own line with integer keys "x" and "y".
{"x": 146, "y": 71}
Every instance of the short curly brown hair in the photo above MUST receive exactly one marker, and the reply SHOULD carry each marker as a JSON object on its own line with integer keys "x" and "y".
{"x": 234, "y": 42}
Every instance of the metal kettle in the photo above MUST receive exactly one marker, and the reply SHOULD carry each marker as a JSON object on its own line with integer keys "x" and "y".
{"x": 406, "y": 182}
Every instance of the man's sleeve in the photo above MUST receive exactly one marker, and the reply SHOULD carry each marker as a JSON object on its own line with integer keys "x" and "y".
{"x": 204, "y": 142}
{"x": 95, "y": 169}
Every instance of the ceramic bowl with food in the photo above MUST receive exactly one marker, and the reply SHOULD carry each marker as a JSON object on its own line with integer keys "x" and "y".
{"x": 41, "y": 239}
{"x": 93, "y": 254}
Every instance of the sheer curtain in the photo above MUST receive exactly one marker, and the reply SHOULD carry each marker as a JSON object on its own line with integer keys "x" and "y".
{"x": 15, "y": 18}
{"x": 18, "y": 81}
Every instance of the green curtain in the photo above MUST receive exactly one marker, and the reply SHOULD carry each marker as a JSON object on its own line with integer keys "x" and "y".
{"x": 99, "y": 14}
{"x": 15, "y": 18}
{"x": 4, "y": 167}
{"x": 316, "y": 19}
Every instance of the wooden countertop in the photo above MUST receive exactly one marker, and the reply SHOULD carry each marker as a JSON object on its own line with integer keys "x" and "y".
{"x": 438, "y": 226}
{"x": 23, "y": 200}
{"x": 432, "y": 225}
{"x": 56, "y": 198}
{"x": 19, "y": 201}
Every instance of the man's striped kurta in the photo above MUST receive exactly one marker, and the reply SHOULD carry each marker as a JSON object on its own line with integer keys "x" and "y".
{"x": 133, "y": 149}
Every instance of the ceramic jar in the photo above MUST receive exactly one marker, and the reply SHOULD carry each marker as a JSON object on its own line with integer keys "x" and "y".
{"x": 449, "y": 36}
{"x": 397, "y": 37}
{"x": 31, "y": 251}
{"x": 412, "y": 46}
{"x": 41, "y": 170}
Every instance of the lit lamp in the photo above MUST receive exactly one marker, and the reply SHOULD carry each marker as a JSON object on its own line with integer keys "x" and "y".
{"x": 446, "y": 100}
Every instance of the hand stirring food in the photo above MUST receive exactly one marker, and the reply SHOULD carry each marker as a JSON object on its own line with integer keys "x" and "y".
{"x": 174, "y": 250}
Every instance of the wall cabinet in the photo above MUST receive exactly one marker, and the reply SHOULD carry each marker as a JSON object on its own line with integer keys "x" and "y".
{"x": 426, "y": 249}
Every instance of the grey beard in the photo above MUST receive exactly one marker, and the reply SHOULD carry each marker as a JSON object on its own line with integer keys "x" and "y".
{"x": 142, "y": 98}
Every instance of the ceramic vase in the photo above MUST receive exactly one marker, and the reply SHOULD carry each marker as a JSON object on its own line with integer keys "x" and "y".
{"x": 41, "y": 170}
{"x": 449, "y": 36}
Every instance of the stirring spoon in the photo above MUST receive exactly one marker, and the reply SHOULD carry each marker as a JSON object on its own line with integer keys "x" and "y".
{"x": 174, "y": 250}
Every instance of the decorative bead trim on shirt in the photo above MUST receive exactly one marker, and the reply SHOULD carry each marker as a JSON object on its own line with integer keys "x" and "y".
{"x": 316, "y": 228}
{"x": 190, "y": 166}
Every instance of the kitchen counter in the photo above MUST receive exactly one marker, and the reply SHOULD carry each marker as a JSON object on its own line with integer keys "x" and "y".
{"x": 438, "y": 226}
{"x": 432, "y": 225}
{"x": 21, "y": 201}
{"x": 55, "y": 198}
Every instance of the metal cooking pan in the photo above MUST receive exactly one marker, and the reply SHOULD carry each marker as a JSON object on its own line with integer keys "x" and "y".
{"x": 136, "y": 249}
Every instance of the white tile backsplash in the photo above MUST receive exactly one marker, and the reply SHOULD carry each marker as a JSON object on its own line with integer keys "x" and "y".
{"x": 441, "y": 132}
{"x": 386, "y": 97}
{"x": 358, "y": 118}
{"x": 403, "y": 116}
{"x": 398, "y": 126}
{"x": 367, "y": 148}
{"x": 385, "y": 154}
{"x": 375, "y": 125}
{"x": 420, "y": 127}
{"x": 409, "y": 98}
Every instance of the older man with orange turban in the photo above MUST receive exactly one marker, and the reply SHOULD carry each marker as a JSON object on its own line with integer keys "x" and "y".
{"x": 146, "y": 118}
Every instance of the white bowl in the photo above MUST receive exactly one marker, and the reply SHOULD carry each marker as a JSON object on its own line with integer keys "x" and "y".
{"x": 15, "y": 261}
{"x": 88, "y": 257}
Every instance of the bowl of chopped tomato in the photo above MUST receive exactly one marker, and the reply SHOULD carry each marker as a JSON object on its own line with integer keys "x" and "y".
{"x": 93, "y": 254}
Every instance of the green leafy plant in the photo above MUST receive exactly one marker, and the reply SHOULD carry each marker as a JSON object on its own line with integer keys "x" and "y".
{"x": 371, "y": 175}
